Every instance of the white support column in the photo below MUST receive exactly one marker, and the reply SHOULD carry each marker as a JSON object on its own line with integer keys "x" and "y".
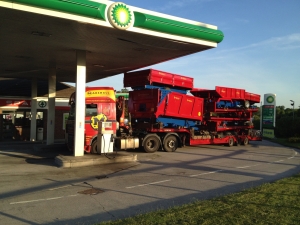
{"x": 80, "y": 103}
{"x": 33, "y": 109}
{"x": 51, "y": 105}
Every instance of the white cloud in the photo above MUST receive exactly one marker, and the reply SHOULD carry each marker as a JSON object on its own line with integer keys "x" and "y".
{"x": 288, "y": 42}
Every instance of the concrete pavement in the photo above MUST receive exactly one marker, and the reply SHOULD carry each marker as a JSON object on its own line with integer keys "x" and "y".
{"x": 34, "y": 190}
{"x": 63, "y": 158}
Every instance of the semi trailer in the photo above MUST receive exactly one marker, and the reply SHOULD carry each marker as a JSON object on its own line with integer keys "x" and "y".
{"x": 166, "y": 112}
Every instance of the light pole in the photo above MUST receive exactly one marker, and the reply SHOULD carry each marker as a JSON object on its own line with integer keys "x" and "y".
{"x": 293, "y": 104}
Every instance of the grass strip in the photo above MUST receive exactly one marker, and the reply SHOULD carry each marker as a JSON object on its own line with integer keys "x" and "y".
{"x": 285, "y": 142}
{"x": 270, "y": 203}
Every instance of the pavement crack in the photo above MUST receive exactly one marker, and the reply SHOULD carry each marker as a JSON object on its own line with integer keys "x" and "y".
{"x": 103, "y": 208}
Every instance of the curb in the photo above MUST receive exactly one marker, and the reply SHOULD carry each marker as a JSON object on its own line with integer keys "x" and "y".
{"x": 92, "y": 160}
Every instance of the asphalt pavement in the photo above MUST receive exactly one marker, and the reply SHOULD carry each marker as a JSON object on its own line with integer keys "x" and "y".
{"x": 35, "y": 190}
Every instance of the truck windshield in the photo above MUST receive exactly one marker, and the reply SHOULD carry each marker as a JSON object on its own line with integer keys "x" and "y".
{"x": 91, "y": 110}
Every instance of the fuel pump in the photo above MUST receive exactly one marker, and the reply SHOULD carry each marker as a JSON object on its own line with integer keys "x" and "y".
{"x": 105, "y": 137}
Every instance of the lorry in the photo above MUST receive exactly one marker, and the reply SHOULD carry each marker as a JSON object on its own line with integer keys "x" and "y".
{"x": 100, "y": 105}
{"x": 166, "y": 112}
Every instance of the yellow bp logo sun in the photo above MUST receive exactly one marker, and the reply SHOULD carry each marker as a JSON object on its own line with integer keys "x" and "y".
{"x": 120, "y": 16}
{"x": 270, "y": 99}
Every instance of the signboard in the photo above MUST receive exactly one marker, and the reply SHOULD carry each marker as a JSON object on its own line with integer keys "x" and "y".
{"x": 270, "y": 99}
{"x": 268, "y": 116}
{"x": 19, "y": 103}
{"x": 65, "y": 118}
{"x": 269, "y": 133}
{"x": 26, "y": 104}
{"x": 42, "y": 104}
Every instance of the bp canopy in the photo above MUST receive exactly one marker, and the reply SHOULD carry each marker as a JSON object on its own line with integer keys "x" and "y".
{"x": 38, "y": 34}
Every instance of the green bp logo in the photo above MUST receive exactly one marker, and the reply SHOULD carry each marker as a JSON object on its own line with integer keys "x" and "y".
{"x": 120, "y": 16}
{"x": 270, "y": 99}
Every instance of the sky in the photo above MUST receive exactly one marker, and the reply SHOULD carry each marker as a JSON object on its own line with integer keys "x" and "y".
{"x": 260, "y": 51}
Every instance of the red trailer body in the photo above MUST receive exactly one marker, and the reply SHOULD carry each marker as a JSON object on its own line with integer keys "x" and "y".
{"x": 155, "y": 77}
{"x": 230, "y": 93}
{"x": 255, "y": 98}
{"x": 147, "y": 104}
{"x": 164, "y": 114}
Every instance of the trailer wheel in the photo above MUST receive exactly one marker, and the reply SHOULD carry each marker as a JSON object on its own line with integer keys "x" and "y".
{"x": 230, "y": 142}
{"x": 151, "y": 143}
{"x": 170, "y": 143}
{"x": 94, "y": 147}
{"x": 246, "y": 141}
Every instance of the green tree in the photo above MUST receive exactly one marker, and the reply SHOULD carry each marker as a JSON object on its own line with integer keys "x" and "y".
{"x": 256, "y": 119}
{"x": 287, "y": 125}
{"x": 124, "y": 90}
{"x": 280, "y": 111}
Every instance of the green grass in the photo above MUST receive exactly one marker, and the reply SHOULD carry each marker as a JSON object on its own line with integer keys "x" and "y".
{"x": 270, "y": 203}
{"x": 285, "y": 142}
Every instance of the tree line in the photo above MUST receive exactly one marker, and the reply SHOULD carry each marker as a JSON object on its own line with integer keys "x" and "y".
{"x": 287, "y": 123}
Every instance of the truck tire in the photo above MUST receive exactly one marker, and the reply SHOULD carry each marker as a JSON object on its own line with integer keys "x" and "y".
{"x": 94, "y": 147}
{"x": 170, "y": 143}
{"x": 230, "y": 142}
{"x": 245, "y": 141}
{"x": 151, "y": 143}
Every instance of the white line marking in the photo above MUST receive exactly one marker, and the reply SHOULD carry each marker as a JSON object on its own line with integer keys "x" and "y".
{"x": 291, "y": 157}
{"x": 205, "y": 173}
{"x": 242, "y": 167}
{"x": 141, "y": 185}
{"x": 42, "y": 199}
{"x": 279, "y": 160}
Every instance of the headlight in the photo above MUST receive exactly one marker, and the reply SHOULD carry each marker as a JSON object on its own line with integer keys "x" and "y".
{"x": 247, "y": 104}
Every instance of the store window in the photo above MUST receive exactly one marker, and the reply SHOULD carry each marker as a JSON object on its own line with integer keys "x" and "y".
{"x": 16, "y": 124}
{"x": 21, "y": 118}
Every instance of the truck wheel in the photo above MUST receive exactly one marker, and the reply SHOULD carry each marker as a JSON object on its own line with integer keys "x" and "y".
{"x": 94, "y": 147}
{"x": 151, "y": 144}
{"x": 246, "y": 141}
{"x": 230, "y": 142}
{"x": 170, "y": 143}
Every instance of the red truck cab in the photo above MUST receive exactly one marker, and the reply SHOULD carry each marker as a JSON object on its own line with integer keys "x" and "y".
{"x": 100, "y": 105}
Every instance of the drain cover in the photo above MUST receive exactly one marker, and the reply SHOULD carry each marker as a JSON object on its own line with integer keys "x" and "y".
{"x": 92, "y": 191}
